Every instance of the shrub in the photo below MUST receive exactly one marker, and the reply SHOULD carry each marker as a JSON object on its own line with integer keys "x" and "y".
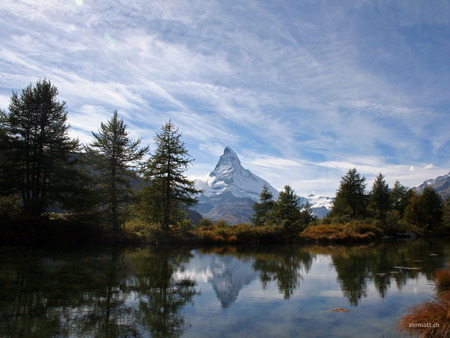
{"x": 205, "y": 222}
{"x": 222, "y": 224}
{"x": 429, "y": 319}
{"x": 442, "y": 278}
{"x": 186, "y": 224}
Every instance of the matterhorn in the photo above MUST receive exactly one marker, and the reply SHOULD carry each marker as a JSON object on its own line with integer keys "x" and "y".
{"x": 230, "y": 190}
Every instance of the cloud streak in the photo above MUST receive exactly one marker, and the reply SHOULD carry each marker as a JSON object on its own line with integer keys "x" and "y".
{"x": 299, "y": 89}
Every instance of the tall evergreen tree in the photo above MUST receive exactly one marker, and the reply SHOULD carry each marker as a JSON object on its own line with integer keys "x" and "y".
{"x": 380, "y": 198}
{"x": 263, "y": 208}
{"x": 426, "y": 210}
{"x": 170, "y": 188}
{"x": 115, "y": 160}
{"x": 400, "y": 198}
{"x": 351, "y": 198}
{"x": 287, "y": 210}
{"x": 39, "y": 147}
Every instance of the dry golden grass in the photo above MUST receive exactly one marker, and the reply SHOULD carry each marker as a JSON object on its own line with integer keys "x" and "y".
{"x": 430, "y": 319}
{"x": 442, "y": 278}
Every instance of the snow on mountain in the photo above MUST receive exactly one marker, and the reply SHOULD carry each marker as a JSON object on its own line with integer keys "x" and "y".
{"x": 440, "y": 184}
{"x": 230, "y": 191}
{"x": 230, "y": 176}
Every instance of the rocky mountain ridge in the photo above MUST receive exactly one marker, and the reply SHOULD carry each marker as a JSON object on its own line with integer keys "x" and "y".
{"x": 230, "y": 191}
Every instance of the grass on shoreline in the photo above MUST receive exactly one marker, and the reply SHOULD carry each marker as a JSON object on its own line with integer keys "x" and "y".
{"x": 138, "y": 231}
{"x": 61, "y": 230}
{"x": 432, "y": 318}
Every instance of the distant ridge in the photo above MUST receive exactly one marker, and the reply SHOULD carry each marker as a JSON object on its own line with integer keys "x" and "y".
{"x": 440, "y": 184}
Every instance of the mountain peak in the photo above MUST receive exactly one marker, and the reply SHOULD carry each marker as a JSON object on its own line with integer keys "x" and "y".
{"x": 230, "y": 176}
{"x": 229, "y": 161}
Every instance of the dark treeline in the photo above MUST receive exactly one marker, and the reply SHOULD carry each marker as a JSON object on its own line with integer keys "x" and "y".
{"x": 42, "y": 169}
{"x": 52, "y": 188}
{"x": 380, "y": 210}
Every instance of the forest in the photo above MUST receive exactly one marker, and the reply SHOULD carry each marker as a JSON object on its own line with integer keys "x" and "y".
{"x": 53, "y": 189}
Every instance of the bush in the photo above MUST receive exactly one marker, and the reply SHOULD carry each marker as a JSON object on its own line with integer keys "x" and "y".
{"x": 434, "y": 312}
{"x": 186, "y": 224}
{"x": 343, "y": 233}
{"x": 442, "y": 278}
{"x": 205, "y": 222}
{"x": 222, "y": 224}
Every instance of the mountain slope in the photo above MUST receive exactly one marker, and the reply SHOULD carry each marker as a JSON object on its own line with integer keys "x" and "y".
{"x": 230, "y": 176}
{"x": 440, "y": 184}
{"x": 230, "y": 191}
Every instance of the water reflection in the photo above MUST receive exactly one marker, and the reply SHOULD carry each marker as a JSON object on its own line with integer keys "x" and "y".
{"x": 154, "y": 291}
{"x": 119, "y": 293}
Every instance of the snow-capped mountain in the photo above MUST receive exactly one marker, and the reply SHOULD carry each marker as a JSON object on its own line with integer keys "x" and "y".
{"x": 320, "y": 205}
{"x": 440, "y": 184}
{"x": 230, "y": 176}
{"x": 230, "y": 191}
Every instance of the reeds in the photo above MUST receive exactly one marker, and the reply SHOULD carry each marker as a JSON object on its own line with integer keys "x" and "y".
{"x": 442, "y": 278}
{"x": 430, "y": 319}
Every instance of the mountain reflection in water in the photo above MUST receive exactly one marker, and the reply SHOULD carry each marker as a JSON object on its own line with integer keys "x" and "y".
{"x": 259, "y": 291}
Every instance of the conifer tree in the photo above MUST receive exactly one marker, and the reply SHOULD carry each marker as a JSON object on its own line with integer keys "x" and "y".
{"x": 170, "y": 188}
{"x": 115, "y": 160}
{"x": 400, "y": 198}
{"x": 380, "y": 198}
{"x": 287, "y": 210}
{"x": 263, "y": 208}
{"x": 351, "y": 197}
{"x": 426, "y": 210}
{"x": 38, "y": 155}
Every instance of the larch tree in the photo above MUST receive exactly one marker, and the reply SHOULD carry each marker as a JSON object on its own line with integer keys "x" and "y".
{"x": 115, "y": 161}
{"x": 351, "y": 198}
{"x": 287, "y": 210}
{"x": 380, "y": 198}
{"x": 170, "y": 189}
{"x": 39, "y": 153}
{"x": 263, "y": 208}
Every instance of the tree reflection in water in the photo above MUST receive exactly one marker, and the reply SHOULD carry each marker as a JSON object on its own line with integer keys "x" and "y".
{"x": 115, "y": 294}
{"x": 138, "y": 292}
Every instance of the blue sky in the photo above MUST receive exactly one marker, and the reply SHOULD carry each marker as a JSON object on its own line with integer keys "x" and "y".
{"x": 301, "y": 90}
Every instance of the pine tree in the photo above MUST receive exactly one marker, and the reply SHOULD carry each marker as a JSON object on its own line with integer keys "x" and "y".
{"x": 400, "y": 198}
{"x": 351, "y": 197}
{"x": 380, "y": 198}
{"x": 115, "y": 158}
{"x": 306, "y": 215}
{"x": 286, "y": 211}
{"x": 263, "y": 208}
{"x": 170, "y": 189}
{"x": 426, "y": 210}
{"x": 39, "y": 148}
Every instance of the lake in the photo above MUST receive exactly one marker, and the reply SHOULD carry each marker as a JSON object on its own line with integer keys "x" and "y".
{"x": 164, "y": 291}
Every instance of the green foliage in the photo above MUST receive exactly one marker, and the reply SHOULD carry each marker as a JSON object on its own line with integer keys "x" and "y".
{"x": 205, "y": 222}
{"x": 38, "y": 151}
{"x": 380, "y": 198}
{"x": 286, "y": 211}
{"x": 306, "y": 216}
{"x": 426, "y": 210}
{"x": 351, "y": 197}
{"x": 9, "y": 206}
{"x": 353, "y": 231}
{"x": 263, "y": 208}
{"x": 400, "y": 198}
{"x": 186, "y": 224}
{"x": 170, "y": 189}
{"x": 446, "y": 214}
{"x": 114, "y": 160}
{"x": 222, "y": 224}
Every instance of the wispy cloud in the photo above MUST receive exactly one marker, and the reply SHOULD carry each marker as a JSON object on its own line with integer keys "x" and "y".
{"x": 303, "y": 91}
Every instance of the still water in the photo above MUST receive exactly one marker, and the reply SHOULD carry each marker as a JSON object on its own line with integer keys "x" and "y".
{"x": 216, "y": 292}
